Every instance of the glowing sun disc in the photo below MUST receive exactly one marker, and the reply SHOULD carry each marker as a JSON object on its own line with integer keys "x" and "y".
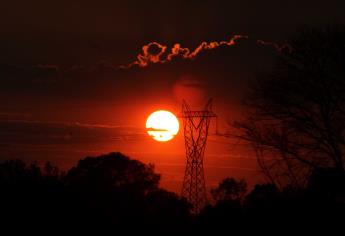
{"x": 162, "y": 125}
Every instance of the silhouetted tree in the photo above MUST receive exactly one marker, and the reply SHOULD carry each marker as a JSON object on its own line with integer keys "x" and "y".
{"x": 296, "y": 118}
{"x": 227, "y": 210}
{"x": 328, "y": 185}
{"x": 18, "y": 173}
{"x": 110, "y": 191}
{"x": 113, "y": 192}
{"x": 113, "y": 189}
{"x": 167, "y": 209}
{"x": 50, "y": 170}
{"x": 230, "y": 189}
{"x": 113, "y": 171}
{"x": 262, "y": 195}
{"x": 27, "y": 194}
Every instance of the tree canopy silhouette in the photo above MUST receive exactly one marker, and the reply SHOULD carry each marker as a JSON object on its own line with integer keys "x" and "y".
{"x": 296, "y": 118}
{"x": 108, "y": 190}
{"x": 230, "y": 189}
{"x": 113, "y": 171}
{"x": 114, "y": 192}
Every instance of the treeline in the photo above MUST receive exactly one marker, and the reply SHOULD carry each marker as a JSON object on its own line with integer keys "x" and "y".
{"x": 117, "y": 193}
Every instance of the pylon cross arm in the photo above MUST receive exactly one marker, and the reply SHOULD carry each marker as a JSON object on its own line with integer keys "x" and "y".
{"x": 196, "y": 124}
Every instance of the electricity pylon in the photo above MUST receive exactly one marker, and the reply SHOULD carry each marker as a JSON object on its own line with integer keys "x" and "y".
{"x": 195, "y": 124}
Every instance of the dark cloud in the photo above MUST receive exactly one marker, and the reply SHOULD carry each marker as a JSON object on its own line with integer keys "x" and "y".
{"x": 28, "y": 72}
{"x": 36, "y": 132}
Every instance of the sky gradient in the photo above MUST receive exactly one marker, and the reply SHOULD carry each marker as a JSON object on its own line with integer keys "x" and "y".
{"x": 64, "y": 94}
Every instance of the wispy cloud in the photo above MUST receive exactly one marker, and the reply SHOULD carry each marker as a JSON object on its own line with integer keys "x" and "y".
{"x": 38, "y": 132}
{"x": 276, "y": 46}
{"x": 14, "y": 116}
{"x": 154, "y": 52}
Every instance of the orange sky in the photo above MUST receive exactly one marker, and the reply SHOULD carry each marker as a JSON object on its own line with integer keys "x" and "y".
{"x": 63, "y": 97}
{"x": 65, "y": 143}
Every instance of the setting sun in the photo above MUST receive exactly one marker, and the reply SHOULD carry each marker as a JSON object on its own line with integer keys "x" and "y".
{"x": 162, "y": 125}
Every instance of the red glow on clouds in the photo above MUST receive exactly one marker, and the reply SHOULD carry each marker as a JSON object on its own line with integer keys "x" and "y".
{"x": 155, "y": 52}
{"x": 147, "y": 57}
{"x": 279, "y": 48}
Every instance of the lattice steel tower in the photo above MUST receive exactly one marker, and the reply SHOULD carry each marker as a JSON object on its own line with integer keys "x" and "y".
{"x": 196, "y": 124}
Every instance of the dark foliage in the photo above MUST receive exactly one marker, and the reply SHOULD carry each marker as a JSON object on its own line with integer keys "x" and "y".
{"x": 230, "y": 189}
{"x": 266, "y": 209}
{"x": 113, "y": 192}
{"x": 109, "y": 191}
{"x": 296, "y": 113}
